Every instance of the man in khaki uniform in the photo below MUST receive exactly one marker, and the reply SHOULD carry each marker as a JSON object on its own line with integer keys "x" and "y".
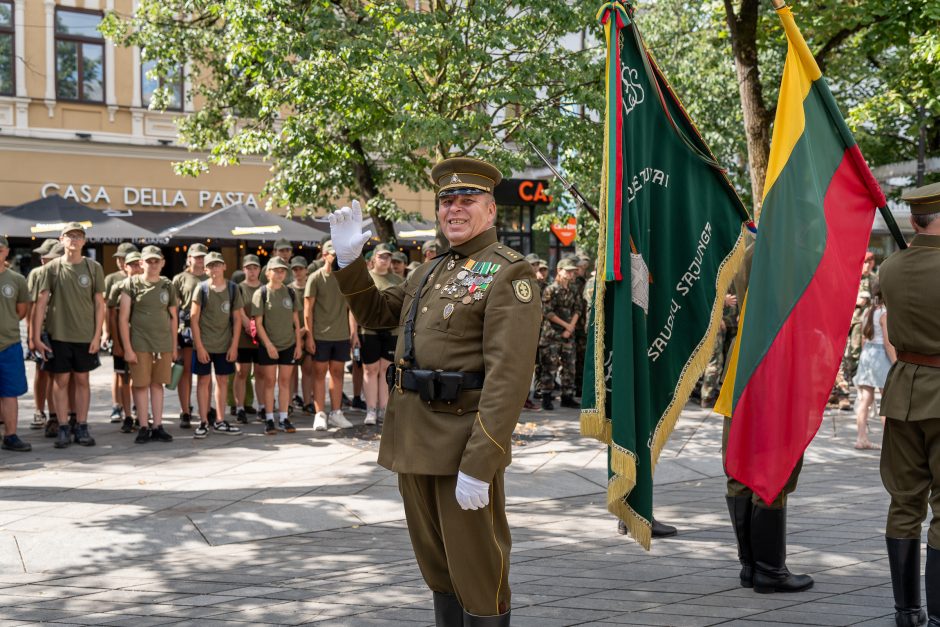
{"x": 910, "y": 456}
{"x": 463, "y": 363}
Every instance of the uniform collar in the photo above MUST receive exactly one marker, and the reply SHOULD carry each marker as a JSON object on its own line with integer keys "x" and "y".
{"x": 923, "y": 239}
{"x": 476, "y": 244}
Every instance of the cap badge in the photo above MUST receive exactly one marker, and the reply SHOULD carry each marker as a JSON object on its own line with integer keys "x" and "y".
{"x": 455, "y": 179}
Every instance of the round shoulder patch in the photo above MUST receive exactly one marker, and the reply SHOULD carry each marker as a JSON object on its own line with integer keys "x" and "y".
{"x": 287, "y": 303}
{"x": 7, "y": 290}
{"x": 523, "y": 290}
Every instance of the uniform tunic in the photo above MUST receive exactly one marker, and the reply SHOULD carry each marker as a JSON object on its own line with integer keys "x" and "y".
{"x": 910, "y": 457}
{"x": 495, "y": 333}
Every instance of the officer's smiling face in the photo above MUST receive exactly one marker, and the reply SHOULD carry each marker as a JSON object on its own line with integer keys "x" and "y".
{"x": 465, "y": 216}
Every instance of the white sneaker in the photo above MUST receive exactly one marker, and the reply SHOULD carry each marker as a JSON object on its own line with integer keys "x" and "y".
{"x": 339, "y": 420}
{"x": 319, "y": 421}
{"x": 371, "y": 418}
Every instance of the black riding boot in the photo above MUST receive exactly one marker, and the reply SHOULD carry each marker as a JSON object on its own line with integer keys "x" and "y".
{"x": 769, "y": 546}
{"x": 500, "y": 620}
{"x": 932, "y": 585}
{"x": 740, "y": 509}
{"x": 547, "y": 404}
{"x": 904, "y": 559}
{"x": 447, "y": 610}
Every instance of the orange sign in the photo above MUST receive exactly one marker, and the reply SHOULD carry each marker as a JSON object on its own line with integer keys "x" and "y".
{"x": 533, "y": 191}
{"x": 566, "y": 233}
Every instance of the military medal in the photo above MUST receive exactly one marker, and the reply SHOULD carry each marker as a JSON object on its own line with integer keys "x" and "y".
{"x": 448, "y": 309}
{"x": 451, "y": 264}
{"x": 467, "y": 300}
{"x": 478, "y": 295}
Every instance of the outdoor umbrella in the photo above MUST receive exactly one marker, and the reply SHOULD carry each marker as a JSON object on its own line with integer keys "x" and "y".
{"x": 45, "y": 218}
{"x": 249, "y": 224}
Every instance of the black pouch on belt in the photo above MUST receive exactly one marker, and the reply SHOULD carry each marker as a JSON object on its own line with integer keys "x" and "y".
{"x": 424, "y": 382}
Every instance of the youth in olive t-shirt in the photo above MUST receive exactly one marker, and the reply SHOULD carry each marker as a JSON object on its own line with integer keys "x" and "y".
{"x": 382, "y": 283}
{"x": 13, "y": 290}
{"x": 215, "y": 318}
{"x": 330, "y": 311}
{"x": 244, "y": 340}
{"x": 186, "y": 284}
{"x": 70, "y": 315}
{"x": 150, "y": 313}
{"x": 278, "y": 310}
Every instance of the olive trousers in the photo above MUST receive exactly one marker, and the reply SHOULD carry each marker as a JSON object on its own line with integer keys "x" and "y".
{"x": 464, "y": 552}
{"x": 910, "y": 471}
{"x": 736, "y": 488}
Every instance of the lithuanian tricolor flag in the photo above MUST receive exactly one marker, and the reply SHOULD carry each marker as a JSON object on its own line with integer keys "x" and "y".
{"x": 818, "y": 209}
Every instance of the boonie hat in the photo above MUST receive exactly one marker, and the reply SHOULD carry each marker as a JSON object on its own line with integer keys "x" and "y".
{"x": 465, "y": 175}
{"x": 45, "y": 247}
{"x": 72, "y": 226}
{"x": 276, "y": 262}
{"x": 214, "y": 257}
{"x": 124, "y": 249}
{"x": 298, "y": 262}
{"x": 924, "y": 200}
{"x": 151, "y": 252}
{"x": 251, "y": 260}
{"x": 196, "y": 250}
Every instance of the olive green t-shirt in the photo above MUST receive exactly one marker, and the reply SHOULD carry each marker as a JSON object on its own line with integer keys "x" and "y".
{"x": 112, "y": 297}
{"x": 186, "y": 284}
{"x": 13, "y": 290}
{"x": 70, "y": 316}
{"x": 278, "y": 309}
{"x": 244, "y": 340}
{"x": 382, "y": 283}
{"x": 34, "y": 280}
{"x": 150, "y": 313}
{"x": 110, "y": 281}
{"x": 215, "y": 320}
{"x": 330, "y": 311}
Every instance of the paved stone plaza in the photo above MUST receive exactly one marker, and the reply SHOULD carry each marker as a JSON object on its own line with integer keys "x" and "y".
{"x": 305, "y": 527}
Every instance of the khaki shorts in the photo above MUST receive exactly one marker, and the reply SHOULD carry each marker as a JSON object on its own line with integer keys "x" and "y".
{"x": 149, "y": 370}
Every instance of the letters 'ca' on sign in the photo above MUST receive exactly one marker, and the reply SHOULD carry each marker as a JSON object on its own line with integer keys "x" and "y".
{"x": 567, "y": 232}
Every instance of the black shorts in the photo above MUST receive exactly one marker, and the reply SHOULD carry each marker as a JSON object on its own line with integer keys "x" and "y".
{"x": 379, "y": 346}
{"x": 120, "y": 366}
{"x": 247, "y": 356}
{"x": 71, "y": 357}
{"x": 217, "y": 361}
{"x": 284, "y": 357}
{"x": 332, "y": 350}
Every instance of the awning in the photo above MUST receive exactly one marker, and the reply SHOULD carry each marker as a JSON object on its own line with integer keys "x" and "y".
{"x": 243, "y": 223}
{"x": 44, "y": 218}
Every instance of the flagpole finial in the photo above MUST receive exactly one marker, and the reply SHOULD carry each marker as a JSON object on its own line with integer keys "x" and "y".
{"x": 779, "y": 4}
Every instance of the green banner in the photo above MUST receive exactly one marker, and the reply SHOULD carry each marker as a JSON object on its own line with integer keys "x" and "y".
{"x": 678, "y": 238}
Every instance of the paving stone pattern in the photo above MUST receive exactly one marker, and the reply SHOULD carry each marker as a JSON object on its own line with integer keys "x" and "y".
{"x": 306, "y": 528}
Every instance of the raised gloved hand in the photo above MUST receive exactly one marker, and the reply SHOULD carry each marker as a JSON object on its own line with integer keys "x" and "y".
{"x": 346, "y": 233}
{"x": 471, "y": 493}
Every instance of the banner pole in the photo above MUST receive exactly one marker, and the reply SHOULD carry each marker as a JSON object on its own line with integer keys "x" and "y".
{"x": 893, "y": 227}
{"x": 778, "y": 4}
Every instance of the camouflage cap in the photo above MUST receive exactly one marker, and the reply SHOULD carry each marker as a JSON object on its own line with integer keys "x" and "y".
{"x": 383, "y": 249}
{"x": 465, "y": 175}
{"x": 566, "y": 264}
{"x": 197, "y": 250}
{"x": 429, "y": 245}
{"x": 274, "y": 263}
{"x": 924, "y": 200}
{"x": 298, "y": 262}
{"x": 251, "y": 260}
{"x": 46, "y": 246}
{"x": 214, "y": 257}
{"x": 124, "y": 249}
{"x": 132, "y": 257}
{"x": 151, "y": 252}
{"x": 327, "y": 248}
{"x": 283, "y": 243}
{"x": 532, "y": 258}
{"x": 3, "y": 242}
{"x": 399, "y": 256}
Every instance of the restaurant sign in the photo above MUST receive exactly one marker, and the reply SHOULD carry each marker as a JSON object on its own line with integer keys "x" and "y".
{"x": 148, "y": 197}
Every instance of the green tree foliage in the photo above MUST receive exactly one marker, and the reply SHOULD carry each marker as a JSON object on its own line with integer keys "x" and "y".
{"x": 346, "y": 97}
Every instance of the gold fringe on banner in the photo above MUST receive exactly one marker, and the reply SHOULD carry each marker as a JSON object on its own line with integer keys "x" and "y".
{"x": 638, "y": 527}
{"x": 697, "y": 363}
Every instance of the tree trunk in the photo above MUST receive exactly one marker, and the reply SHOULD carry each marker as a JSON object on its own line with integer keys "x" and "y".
{"x": 743, "y": 28}
{"x": 382, "y": 227}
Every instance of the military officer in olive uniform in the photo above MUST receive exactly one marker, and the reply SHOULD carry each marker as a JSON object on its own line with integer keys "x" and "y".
{"x": 463, "y": 362}
{"x": 910, "y": 456}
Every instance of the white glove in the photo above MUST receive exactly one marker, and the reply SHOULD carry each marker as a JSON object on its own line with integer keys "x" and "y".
{"x": 346, "y": 233}
{"x": 471, "y": 493}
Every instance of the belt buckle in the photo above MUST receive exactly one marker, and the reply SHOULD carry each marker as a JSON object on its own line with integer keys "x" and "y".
{"x": 398, "y": 371}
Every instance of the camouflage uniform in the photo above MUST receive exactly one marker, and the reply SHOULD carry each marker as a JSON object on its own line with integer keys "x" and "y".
{"x": 715, "y": 370}
{"x": 557, "y": 352}
{"x": 580, "y": 335}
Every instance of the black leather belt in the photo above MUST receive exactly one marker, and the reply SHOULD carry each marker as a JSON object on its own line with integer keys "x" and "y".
{"x": 432, "y": 385}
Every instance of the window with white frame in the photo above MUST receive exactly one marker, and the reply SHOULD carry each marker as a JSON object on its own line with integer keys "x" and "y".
{"x": 7, "y": 56}
{"x": 79, "y": 55}
{"x": 149, "y": 84}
